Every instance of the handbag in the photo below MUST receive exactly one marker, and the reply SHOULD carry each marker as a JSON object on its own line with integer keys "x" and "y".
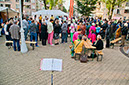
{"x": 83, "y": 59}
{"x": 73, "y": 48}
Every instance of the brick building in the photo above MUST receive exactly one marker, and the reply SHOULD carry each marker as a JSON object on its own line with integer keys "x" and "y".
{"x": 29, "y": 5}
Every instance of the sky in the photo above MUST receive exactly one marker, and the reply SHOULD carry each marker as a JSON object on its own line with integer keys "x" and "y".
{"x": 66, "y": 4}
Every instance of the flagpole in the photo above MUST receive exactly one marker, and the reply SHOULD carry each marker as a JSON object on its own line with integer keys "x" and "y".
{"x": 23, "y": 44}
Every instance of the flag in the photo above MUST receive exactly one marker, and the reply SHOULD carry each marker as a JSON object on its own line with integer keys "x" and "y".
{"x": 71, "y": 8}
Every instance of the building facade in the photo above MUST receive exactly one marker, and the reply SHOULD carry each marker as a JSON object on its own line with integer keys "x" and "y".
{"x": 29, "y": 5}
{"x": 119, "y": 12}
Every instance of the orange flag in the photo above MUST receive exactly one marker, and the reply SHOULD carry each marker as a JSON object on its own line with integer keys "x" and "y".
{"x": 71, "y": 8}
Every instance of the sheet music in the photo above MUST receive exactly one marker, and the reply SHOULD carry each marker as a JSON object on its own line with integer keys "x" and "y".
{"x": 51, "y": 64}
{"x": 57, "y": 65}
{"x": 46, "y": 64}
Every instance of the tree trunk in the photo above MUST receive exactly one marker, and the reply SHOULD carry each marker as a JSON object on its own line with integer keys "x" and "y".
{"x": 112, "y": 8}
{"x": 111, "y": 12}
{"x": 45, "y": 5}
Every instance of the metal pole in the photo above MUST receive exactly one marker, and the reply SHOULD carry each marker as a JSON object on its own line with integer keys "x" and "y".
{"x": 7, "y": 14}
{"x": 52, "y": 78}
{"x": 23, "y": 44}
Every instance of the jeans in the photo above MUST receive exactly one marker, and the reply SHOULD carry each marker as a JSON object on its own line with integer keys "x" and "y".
{"x": 14, "y": 44}
{"x": 50, "y": 38}
{"x": 31, "y": 37}
{"x": 64, "y": 37}
{"x": 25, "y": 32}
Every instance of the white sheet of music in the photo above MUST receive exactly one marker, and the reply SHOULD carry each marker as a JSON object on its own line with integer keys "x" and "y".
{"x": 51, "y": 64}
{"x": 57, "y": 64}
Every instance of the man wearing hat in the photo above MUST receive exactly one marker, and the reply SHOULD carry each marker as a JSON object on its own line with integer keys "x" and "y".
{"x": 15, "y": 35}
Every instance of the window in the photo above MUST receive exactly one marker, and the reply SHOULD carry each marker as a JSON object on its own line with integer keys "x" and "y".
{"x": 1, "y": 5}
{"x": 33, "y": 7}
{"x": 17, "y": 0}
{"x": 127, "y": 4}
{"x": 7, "y": 5}
{"x": 126, "y": 11}
{"x": 1, "y": 0}
{"x": 7, "y": 0}
{"x": 118, "y": 11}
{"x": 33, "y": 1}
{"x": 17, "y": 6}
{"x": 27, "y": 0}
{"x": 27, "y": 6}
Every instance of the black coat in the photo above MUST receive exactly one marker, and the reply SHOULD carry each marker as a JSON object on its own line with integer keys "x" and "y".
{"x": 99, "y": 45}
{"x": 124, "y": 30}
{"x": 108, "y": 32}
{"x": 8, "y": 27}
{"x": 44, "y": 34}
{"x": 57, "y": 28}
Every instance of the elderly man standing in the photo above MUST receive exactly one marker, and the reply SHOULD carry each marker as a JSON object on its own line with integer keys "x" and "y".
{"x": 25, "y": 27}
{"x": 15, "y": 35}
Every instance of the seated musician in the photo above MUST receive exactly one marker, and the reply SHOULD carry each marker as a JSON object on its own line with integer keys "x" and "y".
{"x": 99, "y": 43}
{"x": 79, "y": 43}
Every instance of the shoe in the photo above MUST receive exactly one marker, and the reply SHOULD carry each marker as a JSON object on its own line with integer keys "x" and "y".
{"x": 37, "y": 46}
{"x": 52, "y": 45}
{"x": 72, "y": 57}
{"x": 121, "y": 45}
{"x": 56, "y": 43}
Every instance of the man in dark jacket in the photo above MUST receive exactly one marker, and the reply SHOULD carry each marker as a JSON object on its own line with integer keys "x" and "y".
{"x": 104, "y": 26}
{"x": 107, "y": 33}
{"x": 124, "y": 31}
{"x": 44, "y": 34}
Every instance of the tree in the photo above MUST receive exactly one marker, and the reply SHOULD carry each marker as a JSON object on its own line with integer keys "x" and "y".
{"x": 52, "y": 3}
{"x": 110, "y": 5}
{"x": 45, "y": 4}
{"x": 85, "y": 7}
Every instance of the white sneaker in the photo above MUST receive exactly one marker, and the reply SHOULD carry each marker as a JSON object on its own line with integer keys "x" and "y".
{"x": 52, "y": 45}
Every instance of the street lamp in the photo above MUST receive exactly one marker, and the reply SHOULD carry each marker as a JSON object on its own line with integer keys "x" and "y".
{"x": 23, "y": 44}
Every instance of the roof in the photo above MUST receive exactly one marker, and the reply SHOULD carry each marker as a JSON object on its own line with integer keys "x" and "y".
{"x": 3, "y": 9}
{"x": 50, "y": 12}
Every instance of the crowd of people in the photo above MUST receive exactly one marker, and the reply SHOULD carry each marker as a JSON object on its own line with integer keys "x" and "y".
{"x": 47, "y": 29}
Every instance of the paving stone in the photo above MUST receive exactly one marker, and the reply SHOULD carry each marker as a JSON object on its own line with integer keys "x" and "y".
{"x": 23, "y": 69}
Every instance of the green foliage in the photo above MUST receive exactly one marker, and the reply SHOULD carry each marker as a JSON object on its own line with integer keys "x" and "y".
{"x": 85, "y": 7}
{"x": 64, "y": 9}
{"x": 53, "y": 3}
